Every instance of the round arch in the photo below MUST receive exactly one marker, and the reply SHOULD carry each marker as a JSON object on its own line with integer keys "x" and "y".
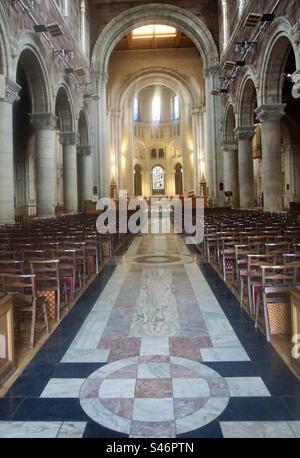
{"x": 64, "y": 110}
{"x": 273, "y": 60}
{"x": 247, "y": 102}
{"x": 172, "y": 80}
{"x": 83, "y": 128}
{"x": 229, "y": 124}
{"x": 155, "y": 13}
{"x": 37, "y": 79}
{"x": 5, "y": 34}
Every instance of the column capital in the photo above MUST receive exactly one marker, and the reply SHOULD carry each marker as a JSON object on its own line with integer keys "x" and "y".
{"x": 9, "y": 90}
{"x": 196, "y": 110}
{"x": 69, "y": 138}
{"x": 44, "y": 121}
{"x": 229, "y": 146}
{"x": 244, "y": 133}
{"x": 84, "y": 150}
{"x": 267, "y": 113}
{"x": 211, "y": 71}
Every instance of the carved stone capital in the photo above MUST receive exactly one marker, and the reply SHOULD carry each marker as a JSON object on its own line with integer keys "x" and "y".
{"x": 84, "y": 150}
{"x": 244, "y": 133}
{"x": 229, "y": 146}
{"x": 9, "y": 90}
{"x": 211, "y": 71}
{"x": 266, "y": 113}
{"x": 69, "y": 138}
{"x": 44, "y": 121}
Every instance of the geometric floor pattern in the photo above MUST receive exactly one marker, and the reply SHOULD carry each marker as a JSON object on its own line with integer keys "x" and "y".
{"x": 156, "y": 347}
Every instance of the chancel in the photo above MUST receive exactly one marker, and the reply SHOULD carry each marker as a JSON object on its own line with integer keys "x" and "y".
{"x": 152, "y": 323}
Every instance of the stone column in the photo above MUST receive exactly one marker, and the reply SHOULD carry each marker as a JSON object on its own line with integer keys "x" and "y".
{"x": 270, "y": 118}
{"x": 212, "y": 136}
{"x": 245, "y": 135}
{"x": 104, "y": 172}
{"x": 46, "y": 182}
{"x": 231, "y": 170}
{"x": 8, "y": 95}
{"x": 85, "y": 175}
{"x": 196, "y": 141}
{"x": 69, "y": 140}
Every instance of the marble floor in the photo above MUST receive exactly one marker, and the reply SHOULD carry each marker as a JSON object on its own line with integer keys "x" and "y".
{"x": 157, "y": 347}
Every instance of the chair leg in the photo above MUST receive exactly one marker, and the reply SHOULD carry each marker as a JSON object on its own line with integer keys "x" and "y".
{"x": 46, "y": 318}
{"x": 33, "y": 325}
{"x": 242, "y": 292}
{"x": 257, "y": 308}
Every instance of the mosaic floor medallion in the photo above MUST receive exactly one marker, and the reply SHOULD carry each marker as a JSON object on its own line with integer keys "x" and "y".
{"x": 160, "y": 260}
{"x": 143, "y": 396}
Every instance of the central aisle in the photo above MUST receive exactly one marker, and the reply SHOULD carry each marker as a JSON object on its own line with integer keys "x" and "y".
{"x": 156, "y": 356}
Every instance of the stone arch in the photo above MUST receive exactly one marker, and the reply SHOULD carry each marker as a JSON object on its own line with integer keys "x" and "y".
{"x": 229, "y": 124}
{"x": 5, "y": 33}
{"x": 37, "y": 79}
{"x": 274, "y": 58}
{"x": 154, "y": 13}
{"x": 167, "y": 78}
{"x": 64, "y": 110}
{"x": 247, "y": 103}
{"x": 83, "y": 128}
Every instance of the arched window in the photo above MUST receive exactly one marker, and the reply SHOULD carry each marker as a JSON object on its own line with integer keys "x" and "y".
{"x": 136, "y": 109}
{"x": 225, "y": 24}
{"x": 242, "y": 4}
{"x": 156, "y": 108}
{"x": 176, "y": 108}
{"x": 158, "y": 180}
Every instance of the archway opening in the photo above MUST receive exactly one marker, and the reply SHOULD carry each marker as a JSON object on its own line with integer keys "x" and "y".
{"x": 84, "y": 171}
{"x": 66, "y": 155}
{"x": 33, "y": 100}
{"x": 178, "y": 180}
{"x": 138, "y": 185}
{"x": 151, "y": 102}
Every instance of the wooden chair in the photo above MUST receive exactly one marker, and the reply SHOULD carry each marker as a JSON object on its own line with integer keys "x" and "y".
{"x": 276, "y": 284}
{"x": 25, "y": 300}
{"x": 48, "y": 281}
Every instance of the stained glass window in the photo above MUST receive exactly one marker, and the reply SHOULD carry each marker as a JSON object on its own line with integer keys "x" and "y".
{"x": 158, "y": 176}
{"x": 176, "y": 108}
{"x": 136, "y": 109}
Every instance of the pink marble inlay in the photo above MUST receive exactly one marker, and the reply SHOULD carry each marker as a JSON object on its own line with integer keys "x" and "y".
{"x": 183, "y": 372}
{"x": 153, "y": 388}
{"x": 189, "y": 347}
{"x": 121, "y": 347}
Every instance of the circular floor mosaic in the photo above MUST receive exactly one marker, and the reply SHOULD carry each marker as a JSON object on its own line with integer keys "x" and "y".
{"x": 155, "y": 396}
{"x": 161, "y": 260}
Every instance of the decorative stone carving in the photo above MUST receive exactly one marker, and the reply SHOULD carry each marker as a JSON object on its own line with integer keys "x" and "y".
{"x": 69, "y": 138}
{"x": 244, "y": 133}
{"x": 267, "y": 113}
{"x": 9, "y": 90}
{"x": 229, "y": 146}
{"x": 84, "y": 150}
{"x": 44, "y": 121}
